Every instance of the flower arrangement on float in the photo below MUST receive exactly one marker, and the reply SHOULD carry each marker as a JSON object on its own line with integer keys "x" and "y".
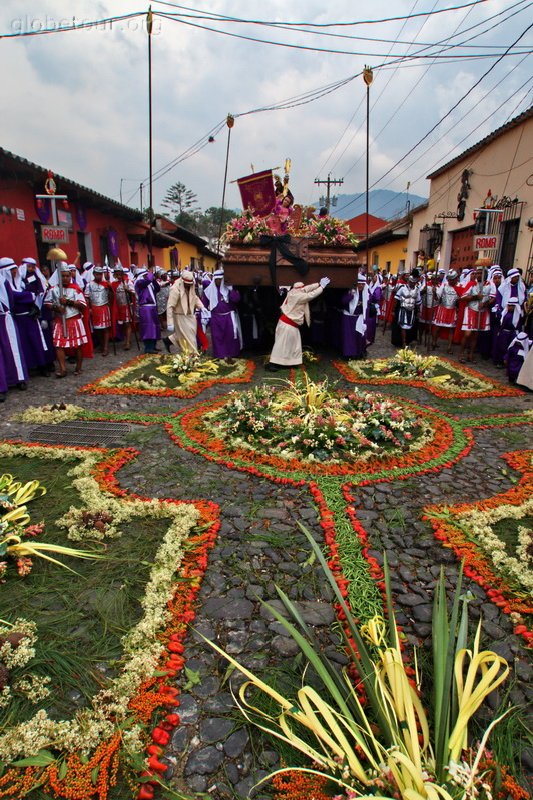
{"x": 440, "y": 376}
{"x": 80, "y": 757}
{"x": 245, "y": 228}
{"x": 332, "y": 231}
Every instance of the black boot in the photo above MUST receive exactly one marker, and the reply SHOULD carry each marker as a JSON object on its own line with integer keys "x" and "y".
{"x": 167, "y": 343}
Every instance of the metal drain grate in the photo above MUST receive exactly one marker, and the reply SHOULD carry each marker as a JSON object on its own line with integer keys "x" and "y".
{"x": 86, "y": 434}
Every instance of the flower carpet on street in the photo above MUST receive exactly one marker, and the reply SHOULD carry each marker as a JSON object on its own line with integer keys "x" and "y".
{"x": 80, "y": 747}
{"x": 50, "y": 415}
{"x": 368, "y": 439}
{"x": 495, "y": 539}
{"x": 325, "y": 439}
{"x": 440, "y": 376}
{"x": 303, "y": 429}
{"x": 170, "y": 376}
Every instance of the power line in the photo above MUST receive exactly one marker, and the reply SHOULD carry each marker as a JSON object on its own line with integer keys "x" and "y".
{"x": 450, "y": 111}
{"x": 437, "y": 197}
{"x": 223, "y": 17}
{"x": 291, "y": 102}
{"x": 358, "y": 107}
{"x": 331, "y": 51}
{"x": 405, "y": 98}
{"x": 464, "y": 139}
{"x": 213, "y": 17}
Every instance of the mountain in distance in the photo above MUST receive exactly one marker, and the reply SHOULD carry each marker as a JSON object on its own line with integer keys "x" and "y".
{"x": 382, "y": 203}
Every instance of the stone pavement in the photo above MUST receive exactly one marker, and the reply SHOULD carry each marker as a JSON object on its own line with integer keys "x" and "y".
{"x": 260, "y": 546}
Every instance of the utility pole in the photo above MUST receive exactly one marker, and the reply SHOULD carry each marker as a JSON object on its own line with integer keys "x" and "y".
{"x": 329, "y": 183}
{"x": 368, "y": 77}
{"x": 149, "y": 19}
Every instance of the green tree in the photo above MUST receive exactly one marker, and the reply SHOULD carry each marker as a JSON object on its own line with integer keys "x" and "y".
{"x": 182, "y": 202}
{"x": 213, "y": 220}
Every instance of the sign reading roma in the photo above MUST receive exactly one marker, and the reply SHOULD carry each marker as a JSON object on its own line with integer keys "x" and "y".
{"x": 54, "y": 233}
{"x": 486, "y": 241}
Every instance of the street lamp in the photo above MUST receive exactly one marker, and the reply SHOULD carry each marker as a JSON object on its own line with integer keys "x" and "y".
{"x": 368, "y": 77}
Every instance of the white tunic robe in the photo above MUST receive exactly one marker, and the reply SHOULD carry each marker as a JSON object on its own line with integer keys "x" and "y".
{"x": 181, "y": 307}
{"x": 287, "y": 350}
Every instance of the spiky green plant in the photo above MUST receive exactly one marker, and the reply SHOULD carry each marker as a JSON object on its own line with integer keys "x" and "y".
{"x": 386, "y": 747}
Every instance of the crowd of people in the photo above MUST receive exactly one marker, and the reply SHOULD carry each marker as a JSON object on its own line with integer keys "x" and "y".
{"x": 50, "y": 319}
{"x": 480, "y": 310}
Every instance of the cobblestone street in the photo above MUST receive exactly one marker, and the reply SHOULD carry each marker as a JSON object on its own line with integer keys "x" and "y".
{"x": 260, "y": 546}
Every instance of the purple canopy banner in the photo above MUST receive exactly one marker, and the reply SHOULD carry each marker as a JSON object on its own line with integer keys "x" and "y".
{"x": 81, "y": 217}
{"x": 112, "y": 240}
{"x": 44, "y": 210}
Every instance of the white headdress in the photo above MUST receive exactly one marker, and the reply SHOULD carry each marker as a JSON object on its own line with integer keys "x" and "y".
{"x": 523, "y": 340}
{"x": 6, "y": 265}
{"x": 211, "y": 291}
{"x": 505, "y": 292}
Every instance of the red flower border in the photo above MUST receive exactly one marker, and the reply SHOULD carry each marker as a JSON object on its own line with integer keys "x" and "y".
{"x": 499, "y": 390}
{"x": 191, "y": 420}
{"x": 476, "y": 567}
{"x": 193, "y": 391}
{"x": 156, "y": 694}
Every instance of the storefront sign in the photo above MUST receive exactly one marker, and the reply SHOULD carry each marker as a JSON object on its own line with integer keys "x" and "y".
{"x": 486, "y": 241}
{"x": 54, "y": 233}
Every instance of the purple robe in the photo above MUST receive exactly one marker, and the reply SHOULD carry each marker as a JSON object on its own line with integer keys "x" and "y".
{"x": 376, "y": 293}
{"x": 225, "y": 325}
{"x": 503, "y": 338}
{"x": 486, "y": 339}
{"x": 353, "y": 343}
{"x": 146, "y": 288}
{"x": 3, "y": 379}
{"x": 514, "y": 361}
{"x": 32, "y": 341}
{"x": 505, "y": 333}
{"x": 14, "y": 363}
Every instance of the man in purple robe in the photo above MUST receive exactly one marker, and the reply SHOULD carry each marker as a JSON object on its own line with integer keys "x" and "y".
{"x": 16, "y": 373}
{"x": 146, "y": 288}
{"x": 354, "y": 320}
{"x": 516, "y": 355}
{"x": 509, "y": 327}
{"x": 26, "y": 290}
{"x": 221, "y": 301}
{"x": 510, "y": 296}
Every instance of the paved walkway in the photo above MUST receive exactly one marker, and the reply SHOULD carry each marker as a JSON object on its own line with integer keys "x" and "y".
{"x": 260, "y": 546}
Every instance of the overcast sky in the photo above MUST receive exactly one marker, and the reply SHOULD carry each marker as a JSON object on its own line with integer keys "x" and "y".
{"x": 77, "y": 102}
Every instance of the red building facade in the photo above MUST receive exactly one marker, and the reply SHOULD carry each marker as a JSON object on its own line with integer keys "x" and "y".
{"x": 95, "y": 226}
